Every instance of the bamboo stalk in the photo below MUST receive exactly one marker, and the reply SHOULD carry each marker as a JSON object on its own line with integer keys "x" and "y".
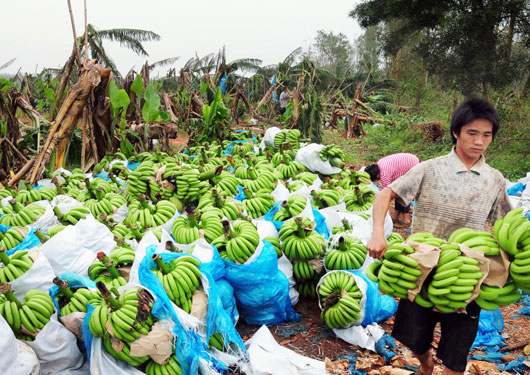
{"x": 86, "y": 35}
{"x": 83, "y": 139}
{"x": 22, "y": 172}
{"x": 78, "y": 57}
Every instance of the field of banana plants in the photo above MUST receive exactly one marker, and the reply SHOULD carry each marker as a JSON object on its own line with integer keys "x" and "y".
{"x": 152, "y": 262}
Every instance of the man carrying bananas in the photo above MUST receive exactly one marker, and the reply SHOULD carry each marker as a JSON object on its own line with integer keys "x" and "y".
{"x": 450, "y": 192}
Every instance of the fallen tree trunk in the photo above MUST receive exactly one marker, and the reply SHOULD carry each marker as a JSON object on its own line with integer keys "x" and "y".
{"x": 156, "y": 130}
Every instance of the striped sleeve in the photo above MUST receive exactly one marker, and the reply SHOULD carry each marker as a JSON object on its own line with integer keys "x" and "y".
{"x": 394, "y": 166}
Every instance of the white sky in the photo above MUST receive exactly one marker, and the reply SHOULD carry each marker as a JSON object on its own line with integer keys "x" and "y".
{"x": 39, "y": 34}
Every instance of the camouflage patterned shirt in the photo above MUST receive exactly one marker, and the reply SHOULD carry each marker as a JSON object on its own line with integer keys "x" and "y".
{"x": 448, "y": 196}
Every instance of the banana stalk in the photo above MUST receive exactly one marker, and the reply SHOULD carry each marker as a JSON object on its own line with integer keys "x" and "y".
{"x": 63, "y": 287}
{"x": 113, "y": 302}
{"x": 4, "y": 258}
{"x": 5, "y": 288}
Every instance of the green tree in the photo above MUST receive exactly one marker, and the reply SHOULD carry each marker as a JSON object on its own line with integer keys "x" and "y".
{"x": 332, "y": 52}
{"x": 368, "y": 54}
{"x": 129, "y": 38}
{"x": 467, "y": 42}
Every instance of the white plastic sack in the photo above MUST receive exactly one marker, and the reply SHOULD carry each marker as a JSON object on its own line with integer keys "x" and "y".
{"x": 56, "y": 348}
{"x": 169, "y": 224}
{"x": 265, "y": 229}
{"x": 5, "y": 201}
{"x": 268, "y": 357}
{"x": 147, "y": 240}
{"x": 268, "y": 138}
{"x": 46, "y": 220}
{"x": 102, "y": 363}
{"x": 97, "y": 237}
{"x": 62, "y": 171}
{"x": 286, "y": 267}
{"x": 365, "y": 337}
{"x": 120, "y": 214}
{"x": 47, "y": 182}
{"x": 309, "y": 157}
{"x": 39, "y": 276}
{"x": 280, "y": 193}
{"x": 66, "y": 252}
{"x": 65, "y": 203}
{"x": 19, "y": 359}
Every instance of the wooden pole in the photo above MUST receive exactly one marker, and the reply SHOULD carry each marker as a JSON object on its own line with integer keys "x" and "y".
{"x": 78, "y": 57}
{"x": 86, "y": 35}
{"x": 83, "y": 144}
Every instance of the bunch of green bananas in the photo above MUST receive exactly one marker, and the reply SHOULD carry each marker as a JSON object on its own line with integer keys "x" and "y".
{"x": 285, "y": 154}
{"x": 294, "y": 185}
{"x": 300, "y": 240}
{"x": 262, "y": 181}
{"x": 325, "y": 198}
{"x": 257, "y": 204}
{"x": 303, "y": 271}
{"x": 12, "y": 237}
{"x": 307, "y": 177}
{"x": 333, "y": 154}
{"x": 128, "y": 314}
{"x": 306, "y": 289}
{"x": 345, "y": 227}
{"x": 99, "y": 207}
{"x": 289, "y": 168}
{"x": 186, "y": 229}
{"x": 190, "y": 183}
{"x": 287, "y": 137}
{"x": 226, "y": 183}
{"x": 138, "y": 180}
{"x": 105, "y": 269}
{"x": 180, "y": 278}
{"x": 53, "y": 230}
{"x": 147, "y": 215}
{"x": 28, "y": 318}
{"x": 217, "y": 341}
{"x": 394, "y": 237}
{"x": 73, "y": 215}
{"x": 229, "y": 207}
{"x": 121, "y": 233}
{"x": 397, "y": 273}
{"x": 14, "y": 265}
{"x": 171, "y": 368}
{"x": 347, "y": 254}
{"x": 426, "y": 238}
{"x": 239, "y": 241}
{"x": 513, "y": 232}
{"x": 242, "y": 148}
{"x": 340, "y": 298}
{"x": 29, "y": 196}
{"x": 72, "y": 301}
{"x": 292, "y": 207}
{"x": 478, "y": 241}
{"x": 21, "y": 215}
{"x": 490, "y": 297}
{"x": 4, "y": 193}
{"x": 360, "y": 199}
{"x": 350, "y": 180}
{"x": 275, "y": 242}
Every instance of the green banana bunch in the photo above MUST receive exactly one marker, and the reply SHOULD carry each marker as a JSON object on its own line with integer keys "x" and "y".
{"x": 397, "y": 273}
{"x": 99, "y": 208}
{"x": 190, "y": 184}
{"x": 490, "y": 298}
{"x": 28, "y": 196}
{"x": 72, "y": 301}
{"x": 289, "y": 168}
{"x": 347, "y": 254}
{"x": 307, "y": 288}
{"x": 229, "y": 207}
{"x": 121, "y": 233}
{"x": 262, "y": 181}
{"x": 21, "y": 215}
{"x": 257, "y": 204}
{"x": 147, "y": 215}
{"x": 427, "y": 238}
{"x": 325, "y": 198}
{"x": 455, "y": 278}
{"x": 26, "y": 318}
{"x": 217, "y": 341}
{"x": 520, "y": 268}
{"x": 394, "y": 237}
{"x": 307, "y": 177}
{"x": 242, "y": 148}
{"x": 180, "y": 278}
{"x": 333, "y": 154}
{"x": 105, "y": 269}
{"x": 14, "y": 265}
{"x": 52, "y": 231}
{"x": 340, "y": 298}
{"x": 283, "y": 153}
{"x": 275, "y": 242}
{"x": 138, "y": 180}
{"x": 187, "y": 228}
{"x": 360, "y": 199}
{"x": 294, "y": 185}
{"x": 303, "y": 271}
{"x": 4, "y": 193}
{"x": 290, "y": 137}
{"x": 478, "y": 241}
{"x": 344, "y": 228}
{"x": 292, "y": 207}
{"x": 171, "y": 368}
{"x": 12, "y": 237}
{"x": 226, "y": 183}
{"x": 240, "y": 240}
{"x": 73, "y": 215}
{"x": 350, "y": 180}
{"x": 513, "y": 232}
{"x": 300, "y": 240}
{"x": 125, "y": 316}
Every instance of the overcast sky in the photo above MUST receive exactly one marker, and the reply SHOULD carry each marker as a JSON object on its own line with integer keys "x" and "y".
{"x": 38, "y": 33}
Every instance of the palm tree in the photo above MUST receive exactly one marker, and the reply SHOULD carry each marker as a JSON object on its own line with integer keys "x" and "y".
{"x": 129, "y": 38}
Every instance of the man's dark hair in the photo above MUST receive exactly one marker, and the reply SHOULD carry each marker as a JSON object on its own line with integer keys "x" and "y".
{"x": 473, "y": 109}
{"x": 373, "y": 171}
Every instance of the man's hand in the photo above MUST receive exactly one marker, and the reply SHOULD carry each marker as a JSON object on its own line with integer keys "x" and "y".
{"x": 376, "y": 246}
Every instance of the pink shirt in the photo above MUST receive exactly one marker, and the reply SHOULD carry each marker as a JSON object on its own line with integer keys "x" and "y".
{"x": 392, "y": 167}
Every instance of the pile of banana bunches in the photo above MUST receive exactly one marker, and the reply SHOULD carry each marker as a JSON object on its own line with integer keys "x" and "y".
{"x": 460, "y": 275}
{"x": 202, "y": 193}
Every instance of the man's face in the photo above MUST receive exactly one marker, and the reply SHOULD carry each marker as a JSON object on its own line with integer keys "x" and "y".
{"x": 474, "y": 139}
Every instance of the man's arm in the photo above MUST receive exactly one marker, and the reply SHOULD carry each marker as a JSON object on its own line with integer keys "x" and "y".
{"x": 377, "y": 244}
